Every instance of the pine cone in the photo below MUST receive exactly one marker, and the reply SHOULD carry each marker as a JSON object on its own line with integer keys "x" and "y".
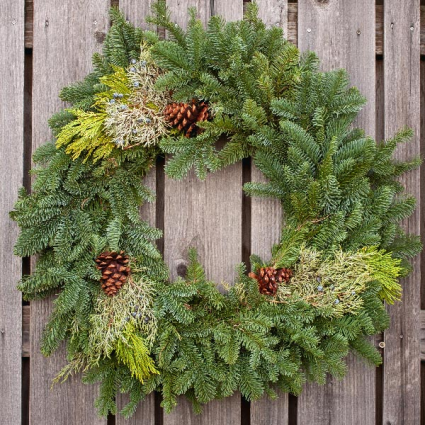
{"x": 115, "y": 271}
{"x": 268, "y": 279}
{"x": 184, "y": 116}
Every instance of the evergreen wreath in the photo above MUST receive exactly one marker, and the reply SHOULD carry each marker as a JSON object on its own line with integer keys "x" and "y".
{"x": 292, "y": 319}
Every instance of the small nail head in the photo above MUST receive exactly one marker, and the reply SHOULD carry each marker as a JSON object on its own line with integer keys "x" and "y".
{"x": 95, "y": 22}
{"x": 46, "y": 23}
{"x": 382, "y": 344}
{"x": 308, "y": 29}
{"x": 412, "y": 27}
{"x": 14, "y": 22}
{"x": 358, "y": 32}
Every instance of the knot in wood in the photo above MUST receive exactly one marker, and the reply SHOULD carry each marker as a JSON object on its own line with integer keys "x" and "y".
{"x": 99, "y": 36}
{"x": 181, "y": 270}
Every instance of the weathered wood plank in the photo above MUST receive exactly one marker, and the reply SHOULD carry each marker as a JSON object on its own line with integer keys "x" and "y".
{"x": 292, "y": 18}
{"x": 230, "y": 10}
{"x": 266, "y": 220}
{"x": 205, "y": 215}
{"x": 401, "y": 404}
{"x": 179, "y": 10}
{"x": 274, "y": 13}
{"x": 65, "y": 37}
{"x": 342, "y": 34}
{"x": 12, "y": 57}
{"x": 136, "y": 11}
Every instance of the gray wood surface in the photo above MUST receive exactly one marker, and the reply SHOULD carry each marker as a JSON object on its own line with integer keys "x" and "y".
{"x": 274, "y": 13}
{"x": 401, "y": 86}
{"x": 230, "y": 10}
{"x": 65, "y": 37}
{"x": 12, "y": 24}
{"x": 342, "y": 34}
{"x": 179, "y": 10}
{"x": 205, "y": 215}
{"x": 266, "y": 224}
{"x": 136, "y": 11}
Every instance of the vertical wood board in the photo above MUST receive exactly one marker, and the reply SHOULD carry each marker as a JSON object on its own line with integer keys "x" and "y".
{"x": 206, "y": 215}
{"x": 401, "y": 404}
{"x": 66, "y": 34}
{"x": 274, "y": 13}
{"x": 266, "y": 223}
{"x": 343, "y": 35}
{"x": 12, "y": 22}
{"x": 229, "y": 10}
{"x": 179, "y": 10}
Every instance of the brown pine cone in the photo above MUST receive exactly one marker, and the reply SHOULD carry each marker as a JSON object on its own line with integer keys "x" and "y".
{"x": 184, "y": 116}
{"x": 268, "y": 279}
{"x": 114, "y": 269}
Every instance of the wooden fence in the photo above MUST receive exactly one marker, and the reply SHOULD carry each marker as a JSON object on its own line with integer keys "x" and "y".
{"x": 49, "y": 44}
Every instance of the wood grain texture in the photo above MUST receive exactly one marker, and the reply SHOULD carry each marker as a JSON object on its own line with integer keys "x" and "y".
{"x": 342, "y": 34}
{"x": 349, "y": 402}
{"x": 65, "y": 37}
{"x": 402, "y": 108}
{"x": 267, "y": 412}
{"x": 179, "y": 10}
{"x": 12, "y": 58}
{"x": 136, "y": 11}
{"x": 205, "y": 215}
{"x": 274, "y": 13}
{"x": 266, "y": 224}
{"x": 230, "y": 10}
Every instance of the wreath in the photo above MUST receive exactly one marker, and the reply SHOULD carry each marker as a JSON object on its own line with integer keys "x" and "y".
{"x": 290, "y": 320}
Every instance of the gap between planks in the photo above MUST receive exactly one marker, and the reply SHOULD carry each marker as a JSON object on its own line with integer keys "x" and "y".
{"x": 292, "y": 25}
{"x": 26, "y": 332}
